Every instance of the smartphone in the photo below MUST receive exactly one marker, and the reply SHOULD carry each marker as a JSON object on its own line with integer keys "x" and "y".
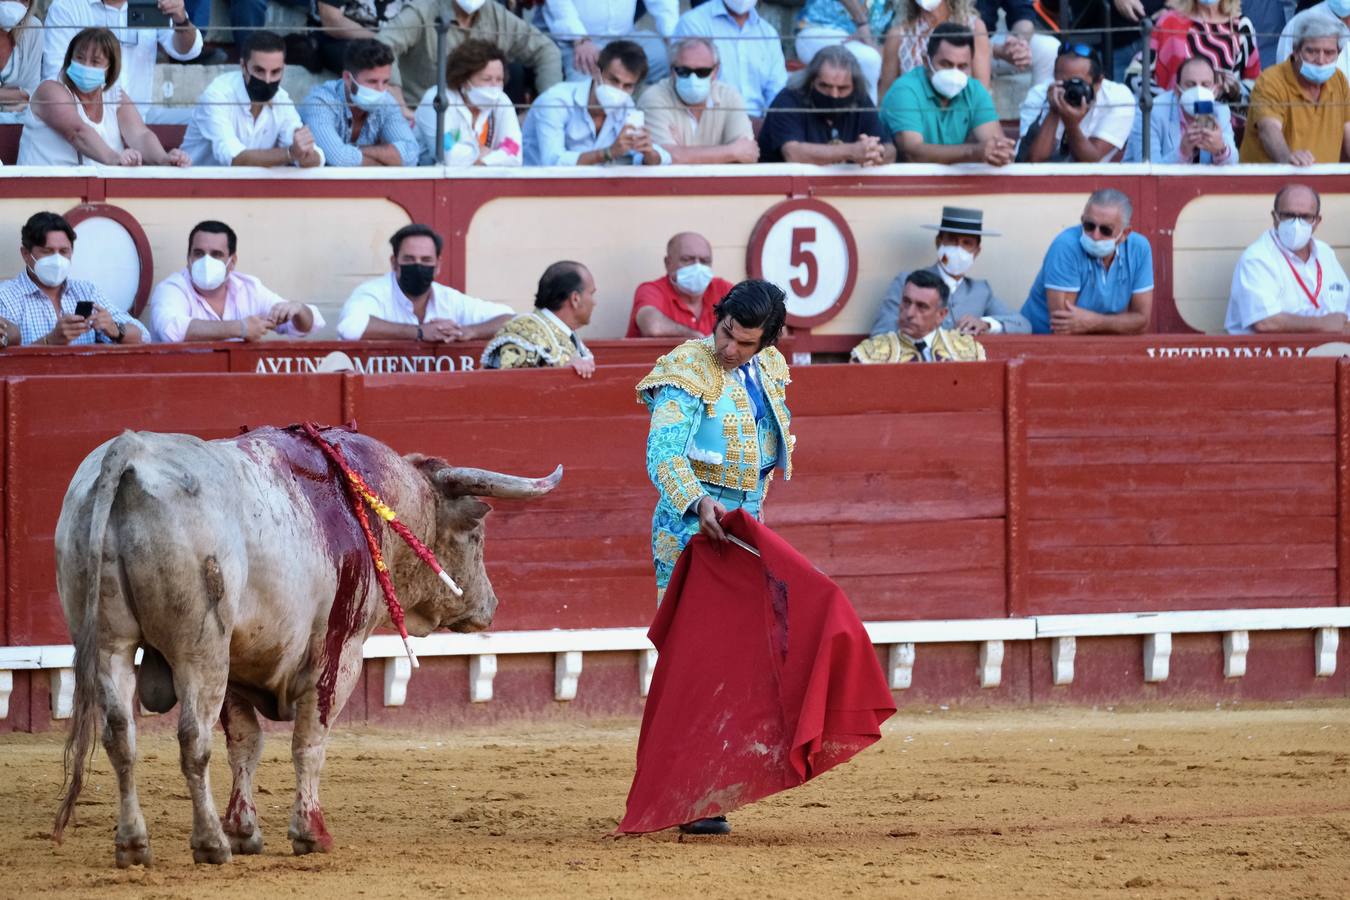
{"x": 636, "y": 119}
{"x": 146, "y": 14}
{"x": 1204, "y": 114}
{"x": 84, "y": 309}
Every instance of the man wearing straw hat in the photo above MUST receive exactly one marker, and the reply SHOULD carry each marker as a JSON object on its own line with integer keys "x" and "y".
{"x": 972, "y": 307}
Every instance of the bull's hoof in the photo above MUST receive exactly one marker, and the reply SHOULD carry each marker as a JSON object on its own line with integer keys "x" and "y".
{"x": 246, "y": 845}
{"x": 135, "y": 852}
{"x": 304, "y": 845}
{"x": 216, "y": 855}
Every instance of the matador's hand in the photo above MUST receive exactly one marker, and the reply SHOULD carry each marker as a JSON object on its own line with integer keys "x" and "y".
{"x": 709, "y": 514}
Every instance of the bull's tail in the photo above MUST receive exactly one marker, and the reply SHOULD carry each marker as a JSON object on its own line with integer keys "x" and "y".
{"x": 84, "y": 720}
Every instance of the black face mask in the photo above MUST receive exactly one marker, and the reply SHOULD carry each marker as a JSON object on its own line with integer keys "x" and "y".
{"x": 260, "y": 91}
{"x": 414, "y": 280}
{"x": 826, "y": 103}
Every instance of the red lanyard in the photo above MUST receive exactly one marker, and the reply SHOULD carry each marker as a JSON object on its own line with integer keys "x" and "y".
{"x": 1312, "y": 295}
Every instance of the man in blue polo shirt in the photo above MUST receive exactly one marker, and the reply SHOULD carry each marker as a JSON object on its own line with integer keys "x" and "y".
{"x": 1097, "y": 277}
{"x": 939, "y": 114}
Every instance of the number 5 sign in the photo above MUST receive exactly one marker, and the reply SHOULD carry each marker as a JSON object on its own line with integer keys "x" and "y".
{"x": 806, "y": 248}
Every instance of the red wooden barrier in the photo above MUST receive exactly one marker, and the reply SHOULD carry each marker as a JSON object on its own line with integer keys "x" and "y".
{"x": 977, "y": 490}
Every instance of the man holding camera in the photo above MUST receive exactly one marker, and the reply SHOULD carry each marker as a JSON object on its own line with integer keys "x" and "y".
{"x": 1188, "y": 124}
{"x": 1079, "y": 117}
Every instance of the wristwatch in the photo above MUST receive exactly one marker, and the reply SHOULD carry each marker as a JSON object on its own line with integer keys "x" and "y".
{"x": 121, "y": 333}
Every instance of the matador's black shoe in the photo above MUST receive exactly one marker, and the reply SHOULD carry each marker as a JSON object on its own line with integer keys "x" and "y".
{"x": 713, "y": 825}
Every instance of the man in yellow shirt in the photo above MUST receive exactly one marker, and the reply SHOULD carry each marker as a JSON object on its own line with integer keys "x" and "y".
{"x": 1300, "y": 109}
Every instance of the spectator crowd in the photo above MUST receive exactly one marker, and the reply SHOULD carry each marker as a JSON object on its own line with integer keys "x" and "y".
{"x": 577, "y": 83}
{"x": 1096, "y": 277}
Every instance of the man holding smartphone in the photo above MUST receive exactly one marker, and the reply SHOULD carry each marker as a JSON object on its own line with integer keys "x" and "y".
{"x": 50, "y": 308}
{"x": 1188, "y": 125}
{"x": 181, "y": 42}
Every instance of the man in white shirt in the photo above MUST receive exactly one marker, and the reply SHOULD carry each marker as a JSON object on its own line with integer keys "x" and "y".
{"x": 593, "y": 122}
{"x": 1079, "y": 117}
{"x": 409, "y": 305}
{"x": 244, "y": 118}
{"x": 582, "y": 28}
{"x": 65, "y": 19}
{"x": 210, "y": 301}
{"x": 1288, "y": 281}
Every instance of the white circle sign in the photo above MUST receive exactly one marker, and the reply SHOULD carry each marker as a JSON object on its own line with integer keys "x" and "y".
{"x": 106, "y": 255}
{"x": 807, "y": 255}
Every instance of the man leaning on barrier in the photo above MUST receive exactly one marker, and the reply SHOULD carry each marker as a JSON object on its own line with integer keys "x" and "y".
{"x": 824, "y": 116}
{"x": 1288, "y": 281}
{"x": 1097, "y": 277}
{"x": 693, "y": 115}
{"x": 1081, "y": 116}
{"x": 1300, "y": 109}
{"x": 547, "y": 337}
{"x": 354, "y": 120}
{"x": 1188, "y": 124}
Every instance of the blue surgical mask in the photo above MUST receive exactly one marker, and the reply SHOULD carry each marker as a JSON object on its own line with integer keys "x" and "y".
{"x": 86, "y": 78}
{"x": 1317, "y": 74}
{"x": 693, "y": 279}
{"x": 692, "y": 89}
{"x": 1096, "y": 249}
{"x": 367, "y": 98}
{"x": 1339, "y": 8}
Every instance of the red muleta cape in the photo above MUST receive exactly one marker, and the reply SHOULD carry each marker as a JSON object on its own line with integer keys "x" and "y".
{"x": 766, "y": 678}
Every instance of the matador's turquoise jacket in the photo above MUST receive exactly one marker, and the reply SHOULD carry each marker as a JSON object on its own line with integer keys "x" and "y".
{"x": 706, "y": 439}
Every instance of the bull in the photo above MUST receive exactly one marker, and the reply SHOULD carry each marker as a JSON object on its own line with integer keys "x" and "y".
{"x": 239, "y": 570}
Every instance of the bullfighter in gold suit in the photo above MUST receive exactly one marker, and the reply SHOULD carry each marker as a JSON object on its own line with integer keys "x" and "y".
{"x": 919, "y": 336}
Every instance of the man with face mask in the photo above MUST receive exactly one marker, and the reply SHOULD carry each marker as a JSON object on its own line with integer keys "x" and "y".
{"x": 1081, "y": 116}
{"x": 593, "y": 122}
{"x": 693, "y": 115}
{"x": 1188, "y": 125}
{"x": 938, "y": 113}
{"x": 824, "y": 117}
{"x": 1300, "y": 108}
{"x": 210, "y": 301}
{"x": 354, "y": 120}
{"x": 408, "y": 304}
{"x": 49, "y": 308}
{"x": 917, "y": 335}
{"x": 749, "y": 50}
{"x": 547, "y": 337}
{"x": 679, "y": 304}
{"x": 972, "y": 307}
{"x": 1097, "y": 276}
{"x": 1330, "y": 9}
{"x": 245, "y": 118}
{"x": 1288, "y": 281}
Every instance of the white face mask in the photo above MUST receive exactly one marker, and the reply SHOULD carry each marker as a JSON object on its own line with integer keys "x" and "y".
{"x": 611, "y": 99}
{"x": 1192, "y": 95}
{"x": 208, "y": 273}
{"x": 481, "y": 95}
{"x": 949, "y": 82}
{"x": 1294, "y": 234}
{"x": 740, "y": 7}
{"x": 52, "y": 270}
{"x": 470, "y": 6}
{"x": 956, "y": 260}
{"x": 11, "y": 13}
{"x": 1096, "y": 249}
{"x": 366, "y": 98}
{"x": 693, "y": 279}
{"x": 928, "y": 5}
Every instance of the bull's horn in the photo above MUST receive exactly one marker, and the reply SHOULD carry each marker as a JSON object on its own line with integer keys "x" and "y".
{"x": 457, "y": 481}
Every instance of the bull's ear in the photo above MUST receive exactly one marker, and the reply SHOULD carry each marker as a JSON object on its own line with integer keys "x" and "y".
{"x": 475, "y": 508}
{"x": 427, "y": 465}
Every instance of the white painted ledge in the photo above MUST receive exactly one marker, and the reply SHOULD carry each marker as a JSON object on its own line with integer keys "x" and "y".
{"x": 900, "y": 638}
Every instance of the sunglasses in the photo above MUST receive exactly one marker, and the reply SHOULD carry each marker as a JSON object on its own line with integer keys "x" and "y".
{"x": 1309, "y": 219}
{"x": 1082, "y": 50}
{"x": 1105, "y": 231}
{"x": 686, "y": 71}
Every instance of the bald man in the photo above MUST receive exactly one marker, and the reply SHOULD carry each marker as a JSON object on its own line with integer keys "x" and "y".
{"x": 680, "y": 303}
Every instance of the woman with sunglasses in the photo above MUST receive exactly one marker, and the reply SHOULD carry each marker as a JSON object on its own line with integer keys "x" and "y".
{"x": 1216, "y": 30}
{"x": 907, "y": 41}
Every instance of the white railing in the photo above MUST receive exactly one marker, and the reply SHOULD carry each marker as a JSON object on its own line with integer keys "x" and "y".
{"x": 901, "y": 638}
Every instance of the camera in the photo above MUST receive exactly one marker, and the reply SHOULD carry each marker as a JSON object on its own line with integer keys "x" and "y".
{"x": 1077, "y": 92}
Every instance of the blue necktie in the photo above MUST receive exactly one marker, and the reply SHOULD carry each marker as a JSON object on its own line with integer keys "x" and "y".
{"x": 752, "y": 388}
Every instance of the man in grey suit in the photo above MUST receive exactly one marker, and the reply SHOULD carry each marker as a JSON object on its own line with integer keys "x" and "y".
{"x": 973, "y": 308}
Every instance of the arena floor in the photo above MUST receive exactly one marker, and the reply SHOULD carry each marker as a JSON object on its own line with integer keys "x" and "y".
{"x": 1232, "y": 802}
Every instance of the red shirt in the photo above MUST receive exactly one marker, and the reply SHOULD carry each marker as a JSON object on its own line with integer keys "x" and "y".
{"x": 661, "y": 296}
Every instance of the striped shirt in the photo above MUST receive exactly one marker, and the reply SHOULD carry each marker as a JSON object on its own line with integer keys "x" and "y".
{"x": 24, "y": 304}
{"x": 329, "y": 116}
